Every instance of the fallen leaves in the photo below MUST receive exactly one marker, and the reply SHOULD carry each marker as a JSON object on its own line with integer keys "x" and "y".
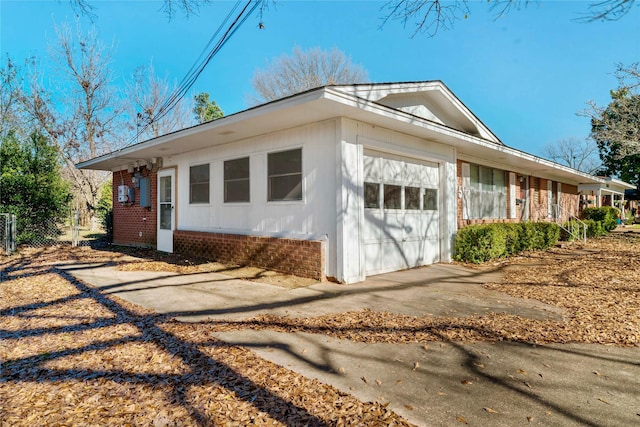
{"x": 71, "y": 355}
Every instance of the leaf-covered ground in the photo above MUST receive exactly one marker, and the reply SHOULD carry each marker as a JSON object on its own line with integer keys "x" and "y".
{"x": 71, "y": 355}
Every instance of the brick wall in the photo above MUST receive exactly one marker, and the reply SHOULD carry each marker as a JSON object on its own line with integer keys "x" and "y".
{"x": 538, "y": 200}
{"x": 133, "y": 224}
{"x": 303, "y": 258}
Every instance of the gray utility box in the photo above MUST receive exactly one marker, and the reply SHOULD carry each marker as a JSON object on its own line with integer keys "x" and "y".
{"x": 145, "y": 192}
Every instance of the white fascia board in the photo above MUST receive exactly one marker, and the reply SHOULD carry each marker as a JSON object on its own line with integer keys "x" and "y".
{"x": 526, "y": 162}
{"x": 131, "y": 153}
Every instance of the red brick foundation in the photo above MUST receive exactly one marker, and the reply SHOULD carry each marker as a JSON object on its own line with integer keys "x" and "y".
{"x": 303, "y": 258}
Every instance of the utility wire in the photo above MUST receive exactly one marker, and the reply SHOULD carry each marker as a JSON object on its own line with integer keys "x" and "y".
{"x": 201, "y": 63}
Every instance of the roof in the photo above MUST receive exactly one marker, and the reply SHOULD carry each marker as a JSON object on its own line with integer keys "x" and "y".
{"x": 427, "y": 110}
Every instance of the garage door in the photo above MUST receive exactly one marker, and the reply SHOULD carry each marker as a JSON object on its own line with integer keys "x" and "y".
{"x": 401, "y": 218}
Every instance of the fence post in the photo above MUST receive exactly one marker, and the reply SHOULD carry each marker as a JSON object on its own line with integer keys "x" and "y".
{"x": 14, "y": 232}
{"x": 74, "y": 229}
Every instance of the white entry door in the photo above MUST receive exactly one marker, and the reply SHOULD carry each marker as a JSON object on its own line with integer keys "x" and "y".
{"x": 166, "y": 209}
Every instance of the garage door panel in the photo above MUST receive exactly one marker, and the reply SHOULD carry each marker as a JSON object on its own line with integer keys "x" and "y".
{"x": 373, "y": 257}
{"x": 393, "y": 227}
{"x": 413, "y": 226}
{"x": 413, "y": 252}
{"x": 373, "y": 224}
{"x": 430, "y": 223}
{"x": 407, "y": 235}
{"x": 392, "y": 170}
{"x": 371, "y": 168}
{"x": 393, "y": 256}
{"x": 430, "y": 251}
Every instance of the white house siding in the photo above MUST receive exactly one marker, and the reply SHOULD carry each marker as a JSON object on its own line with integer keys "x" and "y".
{"x": 311, "y": 218}
{"x": 436, "y": 164}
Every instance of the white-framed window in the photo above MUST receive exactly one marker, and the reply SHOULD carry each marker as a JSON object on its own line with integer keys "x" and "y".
{"x": 284, "y": 175}
{"x": 372, "y": 195}
{"x": 392, "y": 196}
{"x": 237, "y": 181}
{"x": 199, "y": 184}
{"x": 484, "y": 192}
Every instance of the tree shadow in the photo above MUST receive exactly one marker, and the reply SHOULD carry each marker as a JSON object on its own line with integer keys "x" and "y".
{"x": 202, "y": 368}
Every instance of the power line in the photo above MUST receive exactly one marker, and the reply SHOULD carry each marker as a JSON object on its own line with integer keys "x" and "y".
{"x": 209, "y": 51}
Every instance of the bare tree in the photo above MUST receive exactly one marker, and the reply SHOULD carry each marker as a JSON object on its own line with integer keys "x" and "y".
{"x": 147, "y": 92}
{"x": 10, "y": 96}
{"x": 428, "y": 16}
{"x": 580, "y": 154}
{"x": 83, "y": 124}
{"x": 431, "y": 16}
{"x": 169, "y": 7}
{"x": 303, "y": 70}
{"x": 607, "y": 10}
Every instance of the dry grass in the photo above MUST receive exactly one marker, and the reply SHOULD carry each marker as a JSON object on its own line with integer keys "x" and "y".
{"x": 71, "y": 355}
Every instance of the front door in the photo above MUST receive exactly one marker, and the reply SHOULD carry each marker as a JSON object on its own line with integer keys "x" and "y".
{"x": 166, "y": 209}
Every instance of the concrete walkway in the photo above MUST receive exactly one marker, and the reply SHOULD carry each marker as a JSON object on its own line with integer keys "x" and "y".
{"x": 502, "y": 384}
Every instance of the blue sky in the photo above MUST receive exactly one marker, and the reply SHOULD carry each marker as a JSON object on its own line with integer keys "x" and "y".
{"x": 524, "y": 75}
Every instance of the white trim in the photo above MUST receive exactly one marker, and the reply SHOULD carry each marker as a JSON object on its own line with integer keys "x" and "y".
{"x": 512, "y": 196}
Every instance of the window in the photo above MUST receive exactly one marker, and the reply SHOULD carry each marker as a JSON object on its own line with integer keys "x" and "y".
{"x": 199, "y": 184}
{"x": 285, "y": 175}
{"x": 371, "y": 195}
{"x": 392, "y": 196}
{"x": 236, "y": 180}
{"x": 430, "y": 199}
{"x": 412, "y": 198}
{"x": 485, "y": 193}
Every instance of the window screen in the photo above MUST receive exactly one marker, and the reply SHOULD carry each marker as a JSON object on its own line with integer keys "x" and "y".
{"x": 285, "y": 175}
{"x": 236, "y": 180}
{"x": 199, "y": 184}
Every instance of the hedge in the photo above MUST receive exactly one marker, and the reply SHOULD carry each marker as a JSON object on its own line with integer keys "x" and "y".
{"x": 606, "y": 215}
{"x": 480, "y": 243}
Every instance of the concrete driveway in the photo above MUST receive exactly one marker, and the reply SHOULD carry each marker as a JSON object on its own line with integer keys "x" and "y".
{"x": 501, "y": 384}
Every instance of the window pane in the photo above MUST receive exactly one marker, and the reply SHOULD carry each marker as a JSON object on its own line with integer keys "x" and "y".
{"x": 199, "y": 184}
{"x": 236, "y": 180}
{"x": 430, "y": 199}
{"x": 288, "y": 187}
{"x": 236, "y": 169}
{"x": 412, "y": 198}
{"x": 371, "y": 195}
{"x": 285, "y": 175}
{"x": 165, "y": 189}
{"x": 165, "y": 216}
{"x": 236, "y": 191}
{"x": 392, "y": 196}
{"x": 285, "y": 162}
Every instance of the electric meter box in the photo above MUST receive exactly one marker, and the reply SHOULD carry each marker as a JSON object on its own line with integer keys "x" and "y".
{"x": 125, "y": 194}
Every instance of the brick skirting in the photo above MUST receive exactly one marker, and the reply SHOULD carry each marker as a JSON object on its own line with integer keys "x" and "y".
{"x": 303, "y": 258}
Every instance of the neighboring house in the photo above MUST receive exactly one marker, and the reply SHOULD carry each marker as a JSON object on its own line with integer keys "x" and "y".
{"x": 608, "y": 192}
{"x": 338, "y": 182}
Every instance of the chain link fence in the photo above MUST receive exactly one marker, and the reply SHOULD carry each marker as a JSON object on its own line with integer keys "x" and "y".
{"x": 47, "y": 233}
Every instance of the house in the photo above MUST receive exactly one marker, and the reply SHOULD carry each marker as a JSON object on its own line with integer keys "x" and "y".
{"x": 338, "y": 182}
{"x": 609, "y": 192}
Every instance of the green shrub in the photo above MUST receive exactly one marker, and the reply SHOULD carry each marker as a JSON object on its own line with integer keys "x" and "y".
{"x": 607, "y": 215}
{"x": 481, "y": 243}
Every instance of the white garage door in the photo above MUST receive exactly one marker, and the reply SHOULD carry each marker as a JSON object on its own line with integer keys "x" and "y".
{"x": 401, "y": 219}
